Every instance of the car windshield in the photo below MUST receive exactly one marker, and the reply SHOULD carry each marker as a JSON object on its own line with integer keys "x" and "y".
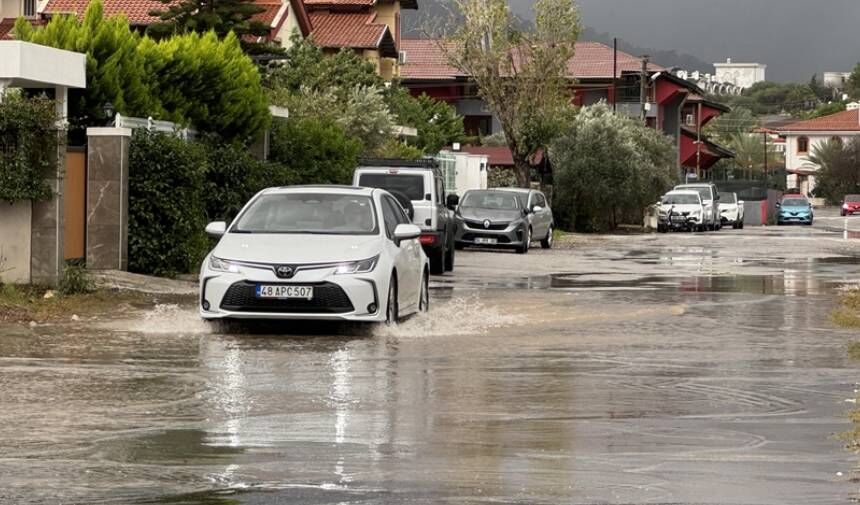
{"x": 704, "y": 191}
{"x": 727, "y": 198}
{"x": 496, "y": 200}
{"x": 795, "y": 202}
{"x": 680, "y": 200}
{"x": 852, "y": 198}
{"x": 328, "y": 214}
{"x": 410, "y": 185}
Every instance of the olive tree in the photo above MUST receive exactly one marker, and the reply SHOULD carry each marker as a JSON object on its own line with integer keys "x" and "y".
{"x": 521, "y": 74}
{"x": 607, "y": 168}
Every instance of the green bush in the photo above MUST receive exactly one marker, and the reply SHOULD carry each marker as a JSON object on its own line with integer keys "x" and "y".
{"x": 607, "y": 169}
{"x": 189, "y": 79}
{"x": 318, "y": 151}
{"x": 28, "y": 147}
{"x": 233, "y": 176}
{"x": 167, "y": 214}
{"x": 75, "y": 281}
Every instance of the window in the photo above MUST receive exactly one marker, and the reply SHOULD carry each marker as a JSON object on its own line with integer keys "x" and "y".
{"x": 29, "y": 8}
{"x": 410, "y": 185}
{"x": 390, "y": 215}
{"x": 802, "y": 145}
{"x": 440, "y": 191}
{"x": 540, "y": 200}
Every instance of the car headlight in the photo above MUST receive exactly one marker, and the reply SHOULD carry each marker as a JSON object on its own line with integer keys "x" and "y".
{"x": 845, "y": 206}
{"x": 220, "y": 265}
{"x": 357, "y": 267}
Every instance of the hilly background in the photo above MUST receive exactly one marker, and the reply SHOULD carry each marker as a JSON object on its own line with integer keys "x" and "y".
{"x": 795, "y": 38}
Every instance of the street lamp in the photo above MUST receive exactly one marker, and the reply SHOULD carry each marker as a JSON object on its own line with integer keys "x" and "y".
{"x": 109, "y": 111}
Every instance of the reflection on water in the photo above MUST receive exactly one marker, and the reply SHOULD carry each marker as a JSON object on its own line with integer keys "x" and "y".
{"x": 589, "y": 392}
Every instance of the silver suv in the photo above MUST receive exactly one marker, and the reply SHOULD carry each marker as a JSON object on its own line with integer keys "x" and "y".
{"x": 710, "y": 202}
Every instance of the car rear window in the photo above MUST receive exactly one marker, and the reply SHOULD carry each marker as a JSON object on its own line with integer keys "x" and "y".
{"x": 408, "y": 184}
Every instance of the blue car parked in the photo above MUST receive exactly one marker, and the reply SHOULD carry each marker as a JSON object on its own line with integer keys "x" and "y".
{"x": 794, "y": 209}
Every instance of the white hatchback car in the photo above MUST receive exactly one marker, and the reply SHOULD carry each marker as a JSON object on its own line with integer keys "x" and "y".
{"x": 316, "y": 252}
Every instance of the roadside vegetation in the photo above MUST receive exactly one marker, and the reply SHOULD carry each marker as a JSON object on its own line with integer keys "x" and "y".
{"x": 839, "y": 174}
{"x": 847, "y": 315}
{"x": 596, "y": 188}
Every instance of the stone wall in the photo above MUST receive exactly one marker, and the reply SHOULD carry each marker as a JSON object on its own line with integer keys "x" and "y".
{"x": 15, "y": 229}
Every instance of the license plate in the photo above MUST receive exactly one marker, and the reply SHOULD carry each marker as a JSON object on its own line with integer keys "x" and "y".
{"x": 285, "y": 292}
{"x": 487, "y": 241}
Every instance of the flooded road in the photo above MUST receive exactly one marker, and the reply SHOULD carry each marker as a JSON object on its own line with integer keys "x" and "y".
{"x": 682, "y": 369}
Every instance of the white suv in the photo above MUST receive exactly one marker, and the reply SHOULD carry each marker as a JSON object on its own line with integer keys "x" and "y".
{"x": 710, "y": 201}
{"x": 420, "y": 188}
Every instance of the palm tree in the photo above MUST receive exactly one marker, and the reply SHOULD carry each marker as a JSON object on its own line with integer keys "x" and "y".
{"x": 750, "y": 153}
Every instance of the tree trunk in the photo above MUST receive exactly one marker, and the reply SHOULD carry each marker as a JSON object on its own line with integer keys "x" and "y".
{"x": 523, "y": 170}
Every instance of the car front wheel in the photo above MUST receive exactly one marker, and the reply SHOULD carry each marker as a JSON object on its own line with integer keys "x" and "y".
{"x": 392, "y": 309}
{"x": 437, "y": 261}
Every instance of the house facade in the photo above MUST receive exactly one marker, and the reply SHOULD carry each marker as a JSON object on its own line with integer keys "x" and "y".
{"x": 674, "y": 106}
{"x": 803, "y": 137}
{"x": 371, "y": 28}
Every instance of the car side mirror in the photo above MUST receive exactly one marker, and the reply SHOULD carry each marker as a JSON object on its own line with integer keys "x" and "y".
{"x": 537, "y": 208}
{"x": 778, "y": 205}
{"x": 216, "y": 228}
{"x": 406, "y": 232}
{"x": 452, "y": 201}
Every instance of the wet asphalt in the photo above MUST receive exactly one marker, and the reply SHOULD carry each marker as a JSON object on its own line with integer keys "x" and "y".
{"x": 671, "y": 369}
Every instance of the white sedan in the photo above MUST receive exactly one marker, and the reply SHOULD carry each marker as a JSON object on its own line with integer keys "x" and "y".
{"x": 316, "y": 252}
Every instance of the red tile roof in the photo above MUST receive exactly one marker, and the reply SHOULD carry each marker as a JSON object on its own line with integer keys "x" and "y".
{"x": 6, "y": 26}
{"x": 425, "y": 60}
{"x": 845, "y": 121}
{"x": 347, "y": 29}
{"x": 137, "y": 11}
{"x": 338, "y": 3}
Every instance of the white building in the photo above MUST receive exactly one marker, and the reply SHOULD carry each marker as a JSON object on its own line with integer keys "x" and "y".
{"x": 742, "y": 75}
{"x": 836, "y": 80}
{"x": 802, "y": 137}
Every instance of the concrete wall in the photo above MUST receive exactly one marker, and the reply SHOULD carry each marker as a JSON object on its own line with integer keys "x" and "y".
{"x": 15, "y": 230}
{"x": 107, "y": 198}
{"x": 46, "y": 235}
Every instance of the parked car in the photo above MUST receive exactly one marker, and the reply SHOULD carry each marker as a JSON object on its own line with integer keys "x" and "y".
{"x": 731, "y": 210}
{"x": 422, "y": 184}
{"x": 794, "y": 209}
{"x": 850, "y": 205}
{"x": 316, "y": 252}
{"x": 681, "y": 210}
{"x": 710, "y": 201}
{"x": 540, "y": 214}
{"x": 503, "y": 218}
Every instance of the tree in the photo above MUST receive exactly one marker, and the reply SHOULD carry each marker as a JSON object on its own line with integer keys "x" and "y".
{"x": 116, "y": 71}
{"x": 522, "y": 76}
{"x": 821, "y": 91}
{"x": 219, "y": 16}
{"x": 193, "y": 79}
{"x": 766, "y": 97}
{"x": 607, "y": 168}
{"x": 739, "y": 120}
{"x": 28, "y": 143}
{"x": 360, "y": 112}
{"x": 437, "y": 122}
{"x": 839, "y": 172}
{"x": 852, "y": 87}
{"x": 749, "y": 152}
{"x": 305, "y": 65}
{"x": 319, "y": 151}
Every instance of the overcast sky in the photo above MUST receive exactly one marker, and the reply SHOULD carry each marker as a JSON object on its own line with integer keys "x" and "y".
{"x": 794, "y": 38}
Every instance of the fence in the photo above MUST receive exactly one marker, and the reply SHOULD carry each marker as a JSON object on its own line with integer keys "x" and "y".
{"x": 153, "y": 125}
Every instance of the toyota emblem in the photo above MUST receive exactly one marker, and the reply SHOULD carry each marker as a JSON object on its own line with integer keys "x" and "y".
{"x": 284, "y": 271}
{"x": 486, "y": 224}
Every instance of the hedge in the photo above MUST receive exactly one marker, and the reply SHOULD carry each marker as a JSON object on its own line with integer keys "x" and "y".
{"x": 28, "y": 147}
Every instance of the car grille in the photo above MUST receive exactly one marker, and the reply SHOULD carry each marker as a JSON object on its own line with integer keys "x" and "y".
{"x": 479, "y": 225}
{"x": 328, "y": 298}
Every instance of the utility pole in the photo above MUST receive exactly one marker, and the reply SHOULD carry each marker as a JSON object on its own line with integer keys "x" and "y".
{"x": 614, "y": 74}
{"x": 764, "y": 136}
{"x": 643, "y": 92}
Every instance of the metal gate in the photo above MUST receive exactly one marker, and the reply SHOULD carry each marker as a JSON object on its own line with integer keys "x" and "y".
{"x": 75, "y": 197}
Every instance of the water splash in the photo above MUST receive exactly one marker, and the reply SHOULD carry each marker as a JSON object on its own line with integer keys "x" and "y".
{"x": 466, "y": 315}
{"x": 170, "y": 318}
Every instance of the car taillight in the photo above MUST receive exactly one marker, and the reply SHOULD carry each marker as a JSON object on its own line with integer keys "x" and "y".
{"x": 427, "y": 239}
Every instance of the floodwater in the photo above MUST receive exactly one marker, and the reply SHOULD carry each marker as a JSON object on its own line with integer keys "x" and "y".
{"x": 681, "y": 369}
